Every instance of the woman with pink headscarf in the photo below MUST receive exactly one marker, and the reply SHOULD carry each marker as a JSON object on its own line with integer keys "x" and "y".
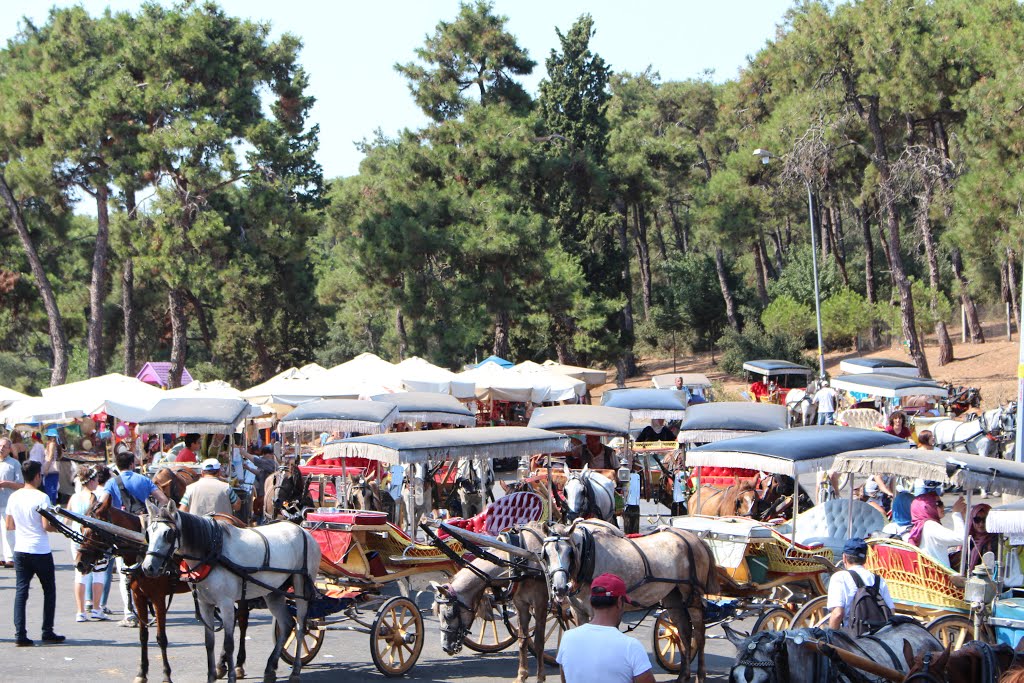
{"x": 927, "y": 532}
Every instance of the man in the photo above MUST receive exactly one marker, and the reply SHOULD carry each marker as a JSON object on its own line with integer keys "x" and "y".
{"x": 597, "y": 455}
{"x": 210, "y": 495}
{"x": 129, "y": 491}
{"x": 656, "y": 431}
{"x": 188, "y": 454}
{"x": 680, "y": 387}
{"x": 598, "y": 651}
{"x": 10, "y": 481}
{"x": 825, "y": 399}
{"x": 844, "y": 585}
{"x": 32, "y": 556}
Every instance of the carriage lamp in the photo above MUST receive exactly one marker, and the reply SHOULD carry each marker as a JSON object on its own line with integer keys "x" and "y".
{"x": 979, "y": 590}
{"x": 523, "y": 471}
{"x": 623, "y": 472}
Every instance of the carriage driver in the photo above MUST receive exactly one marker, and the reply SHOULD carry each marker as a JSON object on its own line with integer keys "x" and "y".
{"x": 210, "y": 495}
{"x": 597, "y": 455}
{"x": 843, "y": 586}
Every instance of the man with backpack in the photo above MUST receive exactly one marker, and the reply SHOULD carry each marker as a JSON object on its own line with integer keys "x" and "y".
{"x": 858, "y": 600}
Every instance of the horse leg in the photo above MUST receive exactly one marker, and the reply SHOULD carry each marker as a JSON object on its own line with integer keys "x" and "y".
{"x": 227, "y": 617}
{"x": 540, "y": 614}
{"x": 682, "y": 619}
{"x": 160, "y": 608}
{"x": 139, "y": 598}
{"x": 207, "y": 614}
{"x": 242, "y": 612}
{"x": 524, "y": 641}
{"x": 282, "y": 628}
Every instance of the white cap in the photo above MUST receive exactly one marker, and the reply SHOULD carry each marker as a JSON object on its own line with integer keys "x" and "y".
{"x": 211, "y": 465}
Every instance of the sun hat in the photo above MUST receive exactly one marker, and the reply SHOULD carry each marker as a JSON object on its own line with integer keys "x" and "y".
{"x": 609, "y": 586}
{"x": 211, "y": 465}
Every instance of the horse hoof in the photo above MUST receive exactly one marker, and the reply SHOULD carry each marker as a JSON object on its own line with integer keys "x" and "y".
{"x": 139, "y": 679}
{"x": 239, "y": 672}
{"x": 222, "y": 671}
{"x": 294, "y": 678}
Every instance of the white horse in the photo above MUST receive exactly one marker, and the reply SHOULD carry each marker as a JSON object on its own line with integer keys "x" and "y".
{"x": 243, "y": 564}
{"x": 982, "y": 436}
{"x": 589, "y": 494}
{"x": 474, "y": 482}
{"x": 417, "y": 496}
{"x": 801, "y": 407}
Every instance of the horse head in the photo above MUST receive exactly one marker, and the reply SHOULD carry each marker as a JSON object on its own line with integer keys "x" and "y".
{"x": 928, "y": 666}
{"x": 761, "y": 658}
{"x": 163, "y": 537}
{"x": 454, "y": 617}
{"x": 575, "y": 492}
{"x": 558, "y": 553}
{"x": 91, "y": 550}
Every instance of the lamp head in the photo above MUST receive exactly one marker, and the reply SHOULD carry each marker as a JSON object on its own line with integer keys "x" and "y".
{"x": 764, "y": 154}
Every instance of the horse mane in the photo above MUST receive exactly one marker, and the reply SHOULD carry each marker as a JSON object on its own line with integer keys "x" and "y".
{"x": 195, "y": 531}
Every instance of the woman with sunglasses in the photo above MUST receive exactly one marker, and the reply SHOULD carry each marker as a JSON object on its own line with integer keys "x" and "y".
{"x": 90, "y": 583}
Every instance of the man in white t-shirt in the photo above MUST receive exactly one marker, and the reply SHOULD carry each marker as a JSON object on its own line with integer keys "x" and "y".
{"x": 598, "y": 651}
{"x": 32, "y": 556}
{"x": 10, "y": 481}
{"x": 842, "y": 587}
{"x": 825, "y": 399}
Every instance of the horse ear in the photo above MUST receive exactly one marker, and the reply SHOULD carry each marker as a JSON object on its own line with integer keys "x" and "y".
{"x": 172, "y": 508}
{"x": 735, "y": 638}
{"x": 151, "y": 508}
{"x": 908, "y": 653}
{"x": 940, "y": 663}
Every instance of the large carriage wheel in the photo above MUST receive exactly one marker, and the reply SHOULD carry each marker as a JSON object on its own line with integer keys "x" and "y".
{"x": 556, "y": 625}
{"x": 955, "y": 630}
{"x": 667, "y": 644}
{"x": 396, "y": 638}
{"x": 774, "y": 619}
{"x": 490, "y": 632}
{"x": 312, "y": 641}
{"x": 813, "y": 613}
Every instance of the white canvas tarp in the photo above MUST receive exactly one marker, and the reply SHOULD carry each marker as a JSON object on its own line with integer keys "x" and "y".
{"x": 126, "y": 398}
{"x": 420, "y": 375}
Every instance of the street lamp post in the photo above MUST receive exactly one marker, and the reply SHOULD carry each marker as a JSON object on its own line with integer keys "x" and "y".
{"x": 765, "y": 157}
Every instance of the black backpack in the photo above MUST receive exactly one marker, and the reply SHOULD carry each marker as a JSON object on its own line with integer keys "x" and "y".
{"x": 129, "y": 503}
{"x": 868, "y": 610}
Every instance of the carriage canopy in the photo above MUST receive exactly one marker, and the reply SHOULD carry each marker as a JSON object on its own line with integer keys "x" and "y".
{"x": 1006, "y": 519}
{"x": 647, "y": 404}
{"x": 581, "y": 419}
{"x": 886, "y": 366}
{"x": 776, "y": 367}
{"x": 790, "y": 451}
{"x": 959, "y": 469}
{"x": 342, "y": 415}
{"x": 201, "y": 415}
{"x": 889, "y": 386}
{"x": 486, "y": 442}
{"x": 690, "y": 379}
{"x": 423, "y": 406}
{"x": 712, "y": 422}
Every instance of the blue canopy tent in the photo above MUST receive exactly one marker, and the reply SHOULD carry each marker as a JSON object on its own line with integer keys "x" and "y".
{"x": 497, "y": 360}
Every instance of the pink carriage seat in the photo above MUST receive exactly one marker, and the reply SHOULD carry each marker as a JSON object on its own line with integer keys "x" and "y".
{"x": 347, "y": 516}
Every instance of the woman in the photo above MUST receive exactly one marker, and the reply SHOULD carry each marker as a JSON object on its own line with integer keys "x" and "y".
{"x": 897, "y": 425}
{"x": 981, "y": 541}
{"x": 901, "y": 521}
{"x": 51, "y": 468}
{"x": 926, "y": 442}
{"x": 92, "y": 583}
{"x": 927, "y": 532}
{"x": 878, "y": 491}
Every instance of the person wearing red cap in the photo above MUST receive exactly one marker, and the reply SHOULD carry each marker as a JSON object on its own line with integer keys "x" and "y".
{"x": 598, "y": 651}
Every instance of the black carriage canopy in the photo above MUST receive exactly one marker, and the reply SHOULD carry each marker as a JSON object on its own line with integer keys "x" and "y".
{"x": 424, "y": 406}
{"x": 776, "y": 367}
{"x": 1006, "y": 519}
{"x": 889, "y": 386}
{"x": 711, "y": 422}
{"x": 200, "y": 415}
{"x": 690, "y": 379}
{"x": 790, "y": 451}
{"x": 647, "y": 404}
{"x": 487, "y": 442}
{"x": 581, "y": 419}
{"x": 856, "y": 365}
{"x": 341, "y": 415}
{"x": 959, "y": 469}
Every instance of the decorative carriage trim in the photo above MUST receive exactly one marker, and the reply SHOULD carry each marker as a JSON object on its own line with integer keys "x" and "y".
{"x": 710, "y": 435}
{"x": 445, "y": 418}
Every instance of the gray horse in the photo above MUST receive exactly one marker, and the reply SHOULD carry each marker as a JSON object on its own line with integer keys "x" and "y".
{"x": 983, "y": 436}
{"x": 795, "y": 657}
{"x": 589, "y": 494}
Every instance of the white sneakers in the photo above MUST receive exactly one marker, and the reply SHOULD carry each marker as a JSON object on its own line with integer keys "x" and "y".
{"x": 91, "y": 615}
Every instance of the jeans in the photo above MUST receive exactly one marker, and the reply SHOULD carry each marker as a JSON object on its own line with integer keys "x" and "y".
{"x": 107, "y": 581}
{"x": 51, "y": 484}
{"x": 27, "y": 565}
{"x": 826, "y": 418}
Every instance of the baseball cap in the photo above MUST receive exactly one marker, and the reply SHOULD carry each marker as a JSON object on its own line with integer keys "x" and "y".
{"x": 609, "y": 586}
{"x": 211, "y": 465}
{"x": 855, "y": 547}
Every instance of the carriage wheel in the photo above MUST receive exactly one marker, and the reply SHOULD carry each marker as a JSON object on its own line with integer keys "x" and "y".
{"x": 667, "y": 644}
{"x": 813, "y": 613}
{"x": 492, "y": 634}
{"x": 312, "y": 641}
{"x": 955, "y": 630}
{"x": 553, "y": 633}
{"x": 396, "y": 638}
{"x": 774, "y": 619}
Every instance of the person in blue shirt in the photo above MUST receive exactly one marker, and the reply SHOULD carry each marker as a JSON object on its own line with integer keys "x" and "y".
{"x": 138, "y": 489}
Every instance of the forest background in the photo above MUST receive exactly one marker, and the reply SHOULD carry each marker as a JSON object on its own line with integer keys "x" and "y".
{"x": 612, "y": 215}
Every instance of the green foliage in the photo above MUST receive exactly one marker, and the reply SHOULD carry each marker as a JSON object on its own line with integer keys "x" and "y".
{"x": 845, "y": 315}
{"x": 797, "y": 279}
{"x": 785, "y": 317}
{"x": 754, "y": 343}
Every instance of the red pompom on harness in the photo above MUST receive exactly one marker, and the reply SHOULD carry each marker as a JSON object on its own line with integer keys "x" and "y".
{"x": 194, "y": 574}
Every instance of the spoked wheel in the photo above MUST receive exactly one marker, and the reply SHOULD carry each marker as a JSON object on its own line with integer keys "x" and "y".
{"x": 954, "y": 630}
{"x": 553, "y": 633}
{"x": 813, "y": 613}
{"x": 396, "y": 638}
{"x": 774, "y": 619}
{"x": 312, "y": 641}
{"x": 490, "y": 632}
{"x": 667, "y": 643}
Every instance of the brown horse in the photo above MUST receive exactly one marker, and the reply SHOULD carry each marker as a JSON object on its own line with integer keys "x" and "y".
{"x": 155, "y": 593}
{"x": 174, "y": 481}
{"x": 738, "y": 500}
{"x": 285, "y": 493}
{"x": 975, "y": 661}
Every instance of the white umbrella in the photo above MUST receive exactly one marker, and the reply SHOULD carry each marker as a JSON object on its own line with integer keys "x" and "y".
{"x": 551, "y": 386}
{"x": 9, "y": 396}
{"x": 123, "y": 397}
{"x": 496, "y": 383}
{"x": 420, "y": 375}
{"x": 367, "y": 372}
{"x": 592, "y": 376}
{"x": 215, "y": 389}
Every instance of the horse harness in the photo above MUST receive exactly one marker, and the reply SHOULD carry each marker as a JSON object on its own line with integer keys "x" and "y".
{"x": 990, "y": 670}
{"x": 777, "y": 667}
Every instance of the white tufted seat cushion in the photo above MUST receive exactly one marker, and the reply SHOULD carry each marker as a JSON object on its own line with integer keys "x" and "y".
{"x": 864, "y": 418}
{"x": 827, "y": 524}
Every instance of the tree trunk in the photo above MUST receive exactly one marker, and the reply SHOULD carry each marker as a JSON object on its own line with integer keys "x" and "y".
{"x": 627, "y": 361}
{"x": 824, "y": 232}
{"x": 766, "y": 263}
{"x": 179, "y": 336}
{"x": 204, "y": 326}
{"x": 403, "y": 338}
{"x": 128, "y": 312}
{"x": 98, "y": 284}
{"x": 875, "y": 339}
{"x": 563, "y": 328}
{"x": 974, "y": 329}
{"x": 759, "y": 276}
{"x": 723, "y": 282}
{"x": 679, "y": 235}
{"x": 501, "y": 332}
{"x": 880, "y": 160}
{"x": 58, "y": 338}
{"x": 1011, "y": 278}
{"x": 835, "y": 230}
{"x": 931, "y": 254}
{"x": 659, "y": 236}
{"x": 777, "y": 239}
{"x": 643, "y": 256}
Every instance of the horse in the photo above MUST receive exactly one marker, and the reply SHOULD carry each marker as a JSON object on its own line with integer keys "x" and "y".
{"x": 793, "y": 655}
{"x": 239, "y": 564}
{"x": 460, "y": 601}
{"x": 975, "y": 661}
{"x": 417, "y": 495}
{"x": 801, "y": 407}
{"x": 738, "y": 500}
{"x": 156, "y": 592}
{"x": 364, "y": 494}
{"x": 982, "y": 436}
{"x": 285, "y": 493}
{"x": 589, "y": 494}
{"x": 173, "y": 481}
{"x": 668, "y": 566}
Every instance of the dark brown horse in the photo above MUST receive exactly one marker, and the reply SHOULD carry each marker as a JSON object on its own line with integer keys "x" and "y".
{"x": 155, "y": 593}
{"x": 173, "y": 481}
{"x": 285, "y": 494}
{"x": 975, "y": 661}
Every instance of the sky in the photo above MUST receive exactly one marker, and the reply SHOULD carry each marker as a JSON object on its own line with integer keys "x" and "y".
{"x": 350, "y": 48}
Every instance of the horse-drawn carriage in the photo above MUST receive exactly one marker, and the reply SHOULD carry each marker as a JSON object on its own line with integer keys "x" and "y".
{"x": 771, "y": 380}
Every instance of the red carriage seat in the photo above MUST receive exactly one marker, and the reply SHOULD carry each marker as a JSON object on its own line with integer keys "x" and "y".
{"x": 722, "y": 476}
{"x": 506, "y": 512}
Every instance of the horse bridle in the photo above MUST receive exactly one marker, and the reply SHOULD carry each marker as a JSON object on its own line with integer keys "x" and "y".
{"x": 447, "y": 597}
{"x": 175, "y": 537}
{"x": 770, "y": 665}
{"x": 926, "y": 673}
